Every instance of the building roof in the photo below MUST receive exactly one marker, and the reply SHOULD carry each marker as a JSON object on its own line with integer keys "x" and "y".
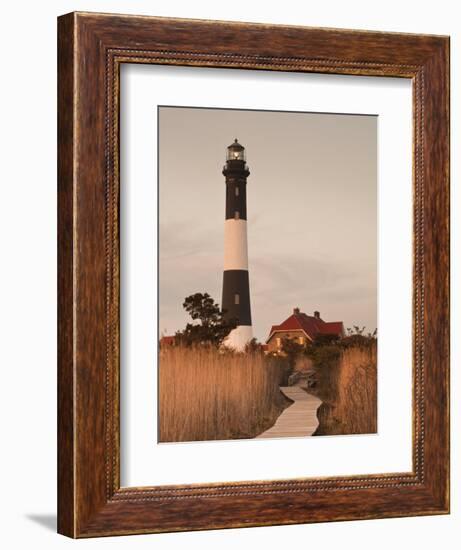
{"x": 236, "y": 146}
{"x": 333, "y": 327}
{"x": 167, "y": 340}
{"x": 310, "y": 325}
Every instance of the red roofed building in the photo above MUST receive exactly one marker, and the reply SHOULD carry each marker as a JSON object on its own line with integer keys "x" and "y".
{"x": 167, "y": 341}
{"x": 303, "y": 328}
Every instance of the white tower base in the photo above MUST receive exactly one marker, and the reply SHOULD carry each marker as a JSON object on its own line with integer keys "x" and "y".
{"x": 239, "y": 337}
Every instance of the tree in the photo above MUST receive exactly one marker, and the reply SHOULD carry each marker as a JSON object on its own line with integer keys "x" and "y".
{"x": 356, "y": 338}
{"x": 355, "y": 331}
{"x": 253, "y": 346}
{"x": 211, "y": 328}
{"x": 292, "y": 350}
{"x": 325, "y": 339}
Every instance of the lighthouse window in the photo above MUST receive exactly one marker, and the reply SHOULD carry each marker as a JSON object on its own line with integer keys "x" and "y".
{"x": 236, "y": 191}
{"x": 237, "y": 215}
{"x": 237, "y": 299}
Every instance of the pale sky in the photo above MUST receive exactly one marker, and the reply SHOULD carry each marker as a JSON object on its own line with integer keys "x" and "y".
{"x": 311, "y": 206}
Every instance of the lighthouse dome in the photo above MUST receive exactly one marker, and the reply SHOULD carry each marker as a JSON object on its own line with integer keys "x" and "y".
{"x": 235, "y": 151}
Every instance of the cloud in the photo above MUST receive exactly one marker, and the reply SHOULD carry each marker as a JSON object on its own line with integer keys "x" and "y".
{"x": 312, "y": 201}
{"x": 338, "y": 289}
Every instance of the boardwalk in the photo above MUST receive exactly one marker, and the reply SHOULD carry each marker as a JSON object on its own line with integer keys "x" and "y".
{"x": 299, "y": 419}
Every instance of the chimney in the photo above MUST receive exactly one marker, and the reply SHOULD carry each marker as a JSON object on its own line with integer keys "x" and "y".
{"x": 296, "y": 311}
{"x": 317, "y": 314}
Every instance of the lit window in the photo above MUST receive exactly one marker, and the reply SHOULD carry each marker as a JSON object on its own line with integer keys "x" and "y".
{"x": 301, "y": 340}
{"x": 278, "y": 341}
{"x": 236, "y": 191}
{"x": 237, "y": 299}
{"x": 237, "y": 215}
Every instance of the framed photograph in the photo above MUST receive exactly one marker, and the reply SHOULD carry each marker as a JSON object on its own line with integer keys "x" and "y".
{"x": 253, "y": 275}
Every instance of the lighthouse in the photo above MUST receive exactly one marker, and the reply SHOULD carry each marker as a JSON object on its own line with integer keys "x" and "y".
{"x": 236, "y": 285}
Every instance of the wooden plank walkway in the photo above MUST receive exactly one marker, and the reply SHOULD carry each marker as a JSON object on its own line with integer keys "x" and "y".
{"x": 297, "y": 420}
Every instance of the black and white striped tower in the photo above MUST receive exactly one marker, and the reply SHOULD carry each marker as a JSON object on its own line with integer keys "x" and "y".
{"x": 236, "y": 286}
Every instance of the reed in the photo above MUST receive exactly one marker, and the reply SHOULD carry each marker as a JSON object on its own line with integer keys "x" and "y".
{"x": 205, "y": 394}
{"x": 348, "y": 388}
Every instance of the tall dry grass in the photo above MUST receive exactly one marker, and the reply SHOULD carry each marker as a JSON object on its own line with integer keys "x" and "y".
{"x": 348, "y": 389}
{"x": 206, "y": 395}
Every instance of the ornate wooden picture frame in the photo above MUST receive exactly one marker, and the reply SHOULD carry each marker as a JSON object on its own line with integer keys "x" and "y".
{"x": 92, "y": 48}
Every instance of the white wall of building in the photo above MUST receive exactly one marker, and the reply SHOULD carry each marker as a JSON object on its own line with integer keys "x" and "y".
{"x": 235, "y": 244}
